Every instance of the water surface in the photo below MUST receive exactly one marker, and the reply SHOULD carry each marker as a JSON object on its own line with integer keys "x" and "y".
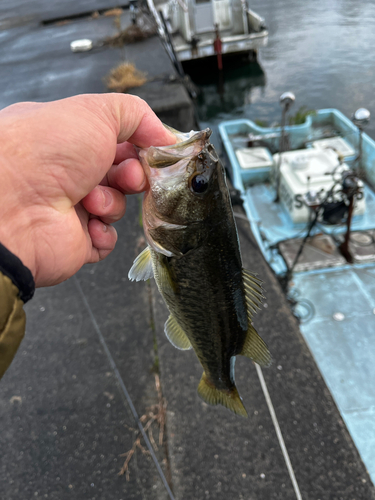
{"x": 322, "y": 51}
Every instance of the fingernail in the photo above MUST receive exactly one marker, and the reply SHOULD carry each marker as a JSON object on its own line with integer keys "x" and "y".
{"x": 105, "y": 228}
{"x": 107, "y": 198}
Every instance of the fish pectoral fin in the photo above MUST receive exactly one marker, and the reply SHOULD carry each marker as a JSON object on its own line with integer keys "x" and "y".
{"x": 253, "y": 291}
{"x": 255, "y": 348}
{"x": 142, "y": 267}
{"x": 175, "y": 334}
{"x": 213, "y": 396}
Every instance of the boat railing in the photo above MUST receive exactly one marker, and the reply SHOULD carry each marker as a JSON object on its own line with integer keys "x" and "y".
{"x": 303, "y": 135}
{"x": 264, "y": 137}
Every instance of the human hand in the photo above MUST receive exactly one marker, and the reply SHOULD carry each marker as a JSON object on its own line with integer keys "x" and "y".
{"x": 64, "y": 168}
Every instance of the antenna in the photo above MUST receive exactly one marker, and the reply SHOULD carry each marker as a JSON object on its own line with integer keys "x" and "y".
{"x": 286, "y": 101}
{"x": 361, "y": 118}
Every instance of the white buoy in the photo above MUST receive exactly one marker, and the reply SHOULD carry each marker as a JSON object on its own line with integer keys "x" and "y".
{"x": 82, "y": 45}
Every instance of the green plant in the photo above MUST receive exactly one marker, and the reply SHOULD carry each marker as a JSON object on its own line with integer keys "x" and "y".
{"x": 300, "y": 116}
{"x": 261, "y": 123}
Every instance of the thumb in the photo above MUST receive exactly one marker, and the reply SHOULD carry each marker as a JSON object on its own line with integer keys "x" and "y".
{"x": 135, "y": 121}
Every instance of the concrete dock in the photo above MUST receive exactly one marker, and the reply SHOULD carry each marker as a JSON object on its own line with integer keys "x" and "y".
{"x": 85, "y": 377}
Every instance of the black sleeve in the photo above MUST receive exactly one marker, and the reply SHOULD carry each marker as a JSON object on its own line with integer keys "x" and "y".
{"x": 11, "y": 266}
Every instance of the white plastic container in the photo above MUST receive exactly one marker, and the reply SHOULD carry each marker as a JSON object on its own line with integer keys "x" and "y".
{"x": 308, "y": 170}
{"x": 249, "y": 158}
{"x": 338, "y": 144}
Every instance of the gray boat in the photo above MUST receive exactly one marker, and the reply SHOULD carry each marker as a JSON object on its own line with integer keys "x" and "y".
{"x": 202, "y": 29}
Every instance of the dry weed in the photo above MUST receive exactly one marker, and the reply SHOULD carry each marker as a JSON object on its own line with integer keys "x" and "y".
{"x": 132, "y": 34}
{"x": 113, "y": 12}
{"x": 124, "y": 77}
{"x": 155, "y": 413}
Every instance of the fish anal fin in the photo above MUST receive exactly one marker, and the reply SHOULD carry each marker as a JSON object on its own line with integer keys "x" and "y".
{"x": 142, "y": 266}
{"x": 255, "y": 348}
{"x": 175, "y": 334}
{"x": 213, "y": 396}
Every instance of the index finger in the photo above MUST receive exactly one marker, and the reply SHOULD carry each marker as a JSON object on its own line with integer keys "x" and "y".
{"x": 124, "y": 151}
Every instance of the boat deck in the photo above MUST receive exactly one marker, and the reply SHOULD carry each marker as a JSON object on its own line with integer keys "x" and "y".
{"x": 231, "y": 44}
{"x": 336, "y": 306}
{"x": 275, "y": 225}
{"x": 340, "y": 335}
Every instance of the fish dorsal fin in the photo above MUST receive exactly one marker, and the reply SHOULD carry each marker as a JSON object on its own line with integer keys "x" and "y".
{"x": 175, "y": 334}
{"x": 213, "y": 396}
{"x": 254, "y": 347}
{"x": 253, "y": 291}
{"x": 142, "y": 266}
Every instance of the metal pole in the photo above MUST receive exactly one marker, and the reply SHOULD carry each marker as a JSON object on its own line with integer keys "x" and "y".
{"x": 361, "y": 118}
{"x": 175, "y": 59}
{"x": 286, "y": 100}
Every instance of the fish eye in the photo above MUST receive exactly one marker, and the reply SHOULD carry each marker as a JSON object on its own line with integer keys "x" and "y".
{"x": 198, "y": 183}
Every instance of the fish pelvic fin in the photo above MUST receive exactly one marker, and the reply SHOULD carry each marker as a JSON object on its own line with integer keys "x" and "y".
{"x": 213, "y": 396}
{"x": 175, "y": 334}
{"x": 142, "y": 267}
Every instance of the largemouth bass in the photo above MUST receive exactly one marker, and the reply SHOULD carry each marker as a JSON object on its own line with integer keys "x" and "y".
{"x": 193, "y": 253}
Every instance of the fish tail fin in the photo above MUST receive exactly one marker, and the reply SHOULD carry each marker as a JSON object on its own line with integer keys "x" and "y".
{"x": 213, "y": 396}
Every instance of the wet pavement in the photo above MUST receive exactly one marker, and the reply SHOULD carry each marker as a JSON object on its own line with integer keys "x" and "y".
{"x": 94, "y": 344}
{"x": 37, "y": 63}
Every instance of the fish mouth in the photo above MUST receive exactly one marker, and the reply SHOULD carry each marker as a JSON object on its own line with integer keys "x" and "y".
{"x": 188, "y": 146}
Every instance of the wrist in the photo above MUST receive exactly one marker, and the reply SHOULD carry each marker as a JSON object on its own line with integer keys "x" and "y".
{"x": 14, "y": 237}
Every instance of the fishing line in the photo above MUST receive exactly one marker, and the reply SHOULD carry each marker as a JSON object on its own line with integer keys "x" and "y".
{"x": 124, "y": 390}
{"x": 278, "y": 432}
{"x": 244, "y": 217}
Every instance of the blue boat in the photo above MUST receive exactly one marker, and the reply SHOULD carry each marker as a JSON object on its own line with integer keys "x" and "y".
{"x": 308, "y": 193}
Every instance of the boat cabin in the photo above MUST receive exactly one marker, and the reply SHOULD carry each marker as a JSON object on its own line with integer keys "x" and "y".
{"x": 195, "y": 24}
{"x": 197, "y": 17}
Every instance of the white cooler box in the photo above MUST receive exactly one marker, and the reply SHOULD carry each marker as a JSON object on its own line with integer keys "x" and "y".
{"x": 256, "y": 164}
{"x": 302, "y": 171}
{"x": 338, "y": 144}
